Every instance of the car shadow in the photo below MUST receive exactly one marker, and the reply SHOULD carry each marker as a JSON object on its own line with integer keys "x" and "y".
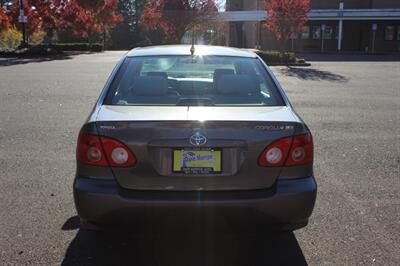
{"x": 71, "y": 224}
{"x": 193, "y": 243}
{"x": 313, "y": 74}
{"x": 315, "y": 57}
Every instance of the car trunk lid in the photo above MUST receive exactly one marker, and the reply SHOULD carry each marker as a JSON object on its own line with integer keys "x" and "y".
{"x": 240, "y": 134}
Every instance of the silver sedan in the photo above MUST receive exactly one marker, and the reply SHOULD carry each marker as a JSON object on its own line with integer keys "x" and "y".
{"x": 194, "y": 129}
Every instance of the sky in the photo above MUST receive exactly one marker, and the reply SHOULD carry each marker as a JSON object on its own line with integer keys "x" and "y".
{"x": 222, "y": 5}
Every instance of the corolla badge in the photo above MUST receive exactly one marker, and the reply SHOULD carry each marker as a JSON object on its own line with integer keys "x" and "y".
{"x": 198, "y": 139}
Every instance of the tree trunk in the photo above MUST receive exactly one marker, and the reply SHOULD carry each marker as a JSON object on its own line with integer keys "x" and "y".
{"x": 50, "y": 35}
{"x": 292, "y": 44}
{"x": 177, "y": 38}
{"x": 282, "y": 44}
{"x": 89, "y": 34}
{"x": 104, "y": 38}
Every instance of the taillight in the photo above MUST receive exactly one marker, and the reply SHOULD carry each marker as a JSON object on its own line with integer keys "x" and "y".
{"x": 103, "y": 151}
{"x": 117, "y": 153}
{"x": 90, "y": 151}
{"x": 276, "y": 153}
{"x": 302, "y": 151}
{"x": 289, "y": 151}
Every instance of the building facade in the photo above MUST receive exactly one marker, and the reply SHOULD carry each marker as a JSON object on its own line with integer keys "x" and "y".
{"x": 370, "y": 26}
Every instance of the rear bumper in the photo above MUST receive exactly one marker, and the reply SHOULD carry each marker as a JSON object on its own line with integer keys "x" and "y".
{"x": 104, "y": 202}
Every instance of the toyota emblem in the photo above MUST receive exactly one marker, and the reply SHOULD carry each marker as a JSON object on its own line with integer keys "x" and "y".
{"x": 198, "y": 139}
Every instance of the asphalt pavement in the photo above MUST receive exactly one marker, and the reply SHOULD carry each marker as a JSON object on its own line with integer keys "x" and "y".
{"x": 352, "y": 107}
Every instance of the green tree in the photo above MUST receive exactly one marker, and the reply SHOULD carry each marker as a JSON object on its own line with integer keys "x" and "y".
{"x": 130, "y": 32}
{"x": 131, "y": 11}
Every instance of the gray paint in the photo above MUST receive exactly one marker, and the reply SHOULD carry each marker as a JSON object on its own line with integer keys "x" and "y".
{"x": 152, "y": 132}
{"x": 153, "y": 143}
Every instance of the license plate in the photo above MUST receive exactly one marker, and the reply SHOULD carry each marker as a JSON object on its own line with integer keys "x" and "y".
{"x": 197, "y": 161}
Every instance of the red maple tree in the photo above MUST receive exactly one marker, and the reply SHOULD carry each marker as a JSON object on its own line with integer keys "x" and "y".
{"x": 86, "y": 18}
{"x": 50, "y": 13}
{"x": 42, "y": 15}
{"x": 34, "y": 20}
{"x": 4, "y": 20}
{"x": 176, "y": 17}
{"x": 286, "y": 17}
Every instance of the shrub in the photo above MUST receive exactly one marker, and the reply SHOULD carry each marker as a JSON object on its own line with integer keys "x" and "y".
{"x": 10, "y": 40}
{"x": 96, "y": 47}
{"x": 276, "y": 57}
{"x": 36, "y": 38}
{"x": 41, "y": 50}
{"x": 56, "y": 49}
{"x": 301, "y": 61}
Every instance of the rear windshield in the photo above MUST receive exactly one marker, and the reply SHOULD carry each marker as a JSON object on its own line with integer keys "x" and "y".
{"x": 193, "y": 81}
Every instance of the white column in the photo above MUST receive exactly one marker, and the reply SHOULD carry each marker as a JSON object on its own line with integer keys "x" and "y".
{"x": 340, "y": 33}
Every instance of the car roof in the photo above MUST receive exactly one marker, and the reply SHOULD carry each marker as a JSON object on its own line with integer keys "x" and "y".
{"x": 186, "y": 50}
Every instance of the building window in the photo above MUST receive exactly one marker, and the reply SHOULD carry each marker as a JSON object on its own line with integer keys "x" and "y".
{"x": 305, "y": 34}
{"x": 398, "y": 33}
{"x": 328, "y": 32}
{"x": 316, "y": 32}
{"x": 389, "y": 33}
{"x": 337, "y": 33}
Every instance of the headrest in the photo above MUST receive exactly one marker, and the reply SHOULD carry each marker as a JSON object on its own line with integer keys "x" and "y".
{"x": 236, "y": 85}
{"x": 157, "y": 74}
{"x": 218, "y": 73}
{"x": 150, "y": 86}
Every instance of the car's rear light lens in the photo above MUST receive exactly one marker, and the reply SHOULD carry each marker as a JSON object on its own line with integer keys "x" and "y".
{"x": 94, "y": 154}
{"x": 302, "y": 151}
{"x": 298, "y": 154}
{"x": 276, "y": 153}
{"x": 289, "y": 151}
{"x": 89, "y": 150}
{"x": 117, "y": 153}
{"x": 103, "y": 151}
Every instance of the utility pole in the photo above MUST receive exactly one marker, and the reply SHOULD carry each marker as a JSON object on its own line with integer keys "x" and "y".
{"x": 258, "y": 42}
{"x": 23, "y": 20}
{"x": 374, "y": 29}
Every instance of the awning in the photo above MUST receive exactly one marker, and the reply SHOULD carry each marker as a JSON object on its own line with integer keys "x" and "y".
{"x": 323, "y": 14}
